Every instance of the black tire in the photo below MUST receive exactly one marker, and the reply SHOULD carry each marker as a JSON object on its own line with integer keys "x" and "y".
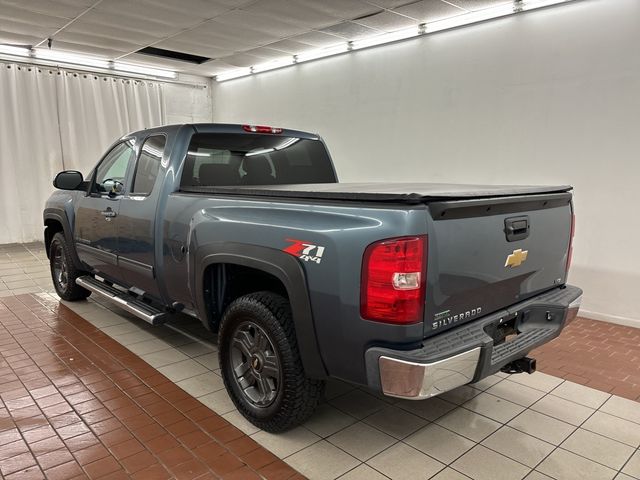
{"x": 292, "y": 397}
{"x": 64, "y": 271}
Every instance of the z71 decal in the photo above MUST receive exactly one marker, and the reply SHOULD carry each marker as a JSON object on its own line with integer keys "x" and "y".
{"x": 304, "y": 250}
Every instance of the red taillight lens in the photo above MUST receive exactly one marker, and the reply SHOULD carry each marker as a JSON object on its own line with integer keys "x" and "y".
{"x": 573, "y": 231}
{"x": 393, "y": 280}
{"x": 261, "y": 129}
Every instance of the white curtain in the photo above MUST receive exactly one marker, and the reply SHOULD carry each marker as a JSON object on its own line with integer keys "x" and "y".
{"x": 52, "y": 119}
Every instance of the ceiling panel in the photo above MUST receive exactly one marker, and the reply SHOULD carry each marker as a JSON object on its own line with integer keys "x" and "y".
{"x": 142, "y": 10}
{"x": 295, "y": 12}
{"x": 241, "y": 21}
{"x": 94, "y": 41}
{"x": 14, "y": 38}
{"x": 351, "y": 31}
{"x": 317, "y": 39}
{"x": 429, "y": 10}
{"x": 342, "y": 9}
{"x": 386, "y": 21}
{"x": 477, "y": 4}
{"x": 126, "y": 22}
{"x": 390, "y": 3}
{"x": 66, "y": 9}
{"x": 290, "y": 47}
{"x": 242, "y": 60}
{"x": 233, "y": 33}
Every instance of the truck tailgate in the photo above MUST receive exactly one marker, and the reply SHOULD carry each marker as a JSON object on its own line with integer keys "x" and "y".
{"x": 487, "y": 254}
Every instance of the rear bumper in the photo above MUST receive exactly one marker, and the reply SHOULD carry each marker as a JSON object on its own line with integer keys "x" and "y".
{"x": 469, "y": 352}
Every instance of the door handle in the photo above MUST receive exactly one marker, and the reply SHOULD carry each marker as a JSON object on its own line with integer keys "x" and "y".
{"x": 517, "y": 228}
{"x": 108, "y": 213}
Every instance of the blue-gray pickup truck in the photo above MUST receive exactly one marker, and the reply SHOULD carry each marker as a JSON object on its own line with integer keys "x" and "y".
{"x": 411, "y": 289}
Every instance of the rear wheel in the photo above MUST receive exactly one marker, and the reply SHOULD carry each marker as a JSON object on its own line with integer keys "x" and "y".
{"x": 64, "y": 271}
{"x": 261, "y": 365}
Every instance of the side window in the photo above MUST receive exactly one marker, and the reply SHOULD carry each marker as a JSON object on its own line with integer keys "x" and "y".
{"x": 113, "y": 168}
{"x": 148, "y": 165}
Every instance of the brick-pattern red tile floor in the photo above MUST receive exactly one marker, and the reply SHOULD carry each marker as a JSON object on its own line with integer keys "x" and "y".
{"x": 76, "y": 404}
{"x": 600, "y": 355}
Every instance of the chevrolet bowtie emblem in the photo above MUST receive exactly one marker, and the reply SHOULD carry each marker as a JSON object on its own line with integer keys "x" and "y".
{"x": 517, "y": 258}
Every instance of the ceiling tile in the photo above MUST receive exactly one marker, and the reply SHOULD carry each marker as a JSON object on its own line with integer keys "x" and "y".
{"x": 266, "y": 53}
{"x": 220, "y": 35}
{"x": 293, "y": 12}
{"x": 242, "y": 60}
{"x": 65, "y": 9}
{"x": 477, "y": 4}
{"x": 131, "y": 36}
{"x": 317, "y": 39}
{"x": 141, "y": 10}
{"x": 241, "y": 21}
{"x": 350, "y": 30}
{"x": 343, "y": 9}
{"x": 213, "y": 67}
{"x": 87, "y": 49}
{"x": 14, "y": 38}
{"x": 128, "y": 22}
{"x": 386, "y": 21}
{"x": 28, "y": 29}
{"x": 9, "y": 14}
{"x": 204, "y": 9}
{"x": 289, "y": 47}
{"x": 95, "y": 41}
{"x": 390, "y": 3}
{"x": 429, "y": 10}
{"x": 140, "y": 59}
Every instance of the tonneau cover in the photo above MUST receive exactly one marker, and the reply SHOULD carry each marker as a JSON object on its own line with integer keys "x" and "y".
{"x": 381, "y": 192}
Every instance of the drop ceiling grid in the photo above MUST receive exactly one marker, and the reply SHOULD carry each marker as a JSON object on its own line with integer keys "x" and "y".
{"x": 233, "y": 33}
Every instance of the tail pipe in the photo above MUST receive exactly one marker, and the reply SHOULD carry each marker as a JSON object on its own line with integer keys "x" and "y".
{"x": 521, "y": 365}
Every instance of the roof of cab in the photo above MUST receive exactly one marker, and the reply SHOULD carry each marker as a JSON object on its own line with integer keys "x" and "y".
{"x": 221, "y": 128}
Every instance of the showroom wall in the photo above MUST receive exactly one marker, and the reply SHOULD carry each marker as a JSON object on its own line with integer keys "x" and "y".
{"x": 547, "y": 97}
{"x": 53, "y": 119}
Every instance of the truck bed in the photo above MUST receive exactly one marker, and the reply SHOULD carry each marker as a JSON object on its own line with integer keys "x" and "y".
{"x": 380, "y": 192}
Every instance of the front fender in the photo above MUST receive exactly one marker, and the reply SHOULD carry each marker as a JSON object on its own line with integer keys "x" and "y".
{"x": 282, "y": 266}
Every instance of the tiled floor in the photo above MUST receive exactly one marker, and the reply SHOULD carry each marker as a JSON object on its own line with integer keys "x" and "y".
{"x": 537, "y": 426}
{"x": 74, "y": 403}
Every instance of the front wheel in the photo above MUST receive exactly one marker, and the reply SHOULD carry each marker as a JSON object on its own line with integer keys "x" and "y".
{"x": 63, "y": 270}
{"x": 261, "y": 365}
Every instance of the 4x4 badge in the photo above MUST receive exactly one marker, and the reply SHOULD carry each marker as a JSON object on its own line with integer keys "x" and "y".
{"x": 517, "y": 258}
{"x": 304, "y": 250}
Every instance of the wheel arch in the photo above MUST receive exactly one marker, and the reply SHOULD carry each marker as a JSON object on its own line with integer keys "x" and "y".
{"x": 56, "y": 221}
{"x": 217, "y": 267}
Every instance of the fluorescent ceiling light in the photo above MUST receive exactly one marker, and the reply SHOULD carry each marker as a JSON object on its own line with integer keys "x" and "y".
{"x": 231, "y": 74}
{"x": 13, "y": 50}
{"x": 65, "y": 57}
{"x": 279, "y": 63}
{"x": 386, "y": 38}
{"x": 156, "y": 72}
{"x": 322, "y": 52}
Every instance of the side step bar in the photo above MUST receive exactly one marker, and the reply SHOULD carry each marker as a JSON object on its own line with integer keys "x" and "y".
{"x": 125, "y": 301}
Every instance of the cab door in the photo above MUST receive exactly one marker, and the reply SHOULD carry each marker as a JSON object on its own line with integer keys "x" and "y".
{"x": 137, "y": 218}
{"x": 95, "y": 229}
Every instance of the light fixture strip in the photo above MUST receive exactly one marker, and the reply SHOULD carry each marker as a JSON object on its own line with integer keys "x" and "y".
{"x": 424, "y": 28}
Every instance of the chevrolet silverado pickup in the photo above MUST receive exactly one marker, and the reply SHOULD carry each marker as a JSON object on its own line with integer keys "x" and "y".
{"x": 410, "y": 289}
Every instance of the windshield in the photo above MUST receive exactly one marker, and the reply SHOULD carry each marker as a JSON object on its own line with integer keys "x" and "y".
{"x": 221, "y": 159}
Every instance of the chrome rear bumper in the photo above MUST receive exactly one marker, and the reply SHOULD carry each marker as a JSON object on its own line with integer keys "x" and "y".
{"x": 404, "y": 379}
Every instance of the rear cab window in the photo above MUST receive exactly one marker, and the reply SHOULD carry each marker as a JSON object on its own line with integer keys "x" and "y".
{"x": 228, "y": 159}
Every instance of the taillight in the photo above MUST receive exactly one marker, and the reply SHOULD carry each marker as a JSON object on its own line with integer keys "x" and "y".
{"x": 393, "y": 280}
{"x": 573, "y": 231}
{"x": 261, "y": 129}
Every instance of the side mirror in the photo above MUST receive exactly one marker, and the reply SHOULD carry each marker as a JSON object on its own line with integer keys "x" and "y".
{"x": 68, "y": 180}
